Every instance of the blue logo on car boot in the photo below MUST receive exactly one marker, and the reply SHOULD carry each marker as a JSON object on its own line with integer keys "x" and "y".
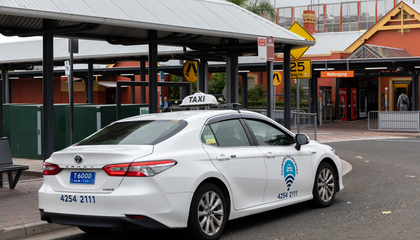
{"x": 78, "y": 159}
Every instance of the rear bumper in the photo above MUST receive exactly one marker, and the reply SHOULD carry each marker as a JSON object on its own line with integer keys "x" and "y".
{"x": 101, "y": 221}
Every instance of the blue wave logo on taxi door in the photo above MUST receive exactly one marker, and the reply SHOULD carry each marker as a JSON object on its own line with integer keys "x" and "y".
{"x": 289, "y": 171}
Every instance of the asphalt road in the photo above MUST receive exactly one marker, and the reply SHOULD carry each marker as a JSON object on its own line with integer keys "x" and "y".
{"x": 381, "y": 200}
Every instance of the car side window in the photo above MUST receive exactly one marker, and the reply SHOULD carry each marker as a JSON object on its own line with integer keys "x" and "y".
{"x": 230, "y": 133}
{"x": 267, "y": 135}
{"x": 207, "y": 136}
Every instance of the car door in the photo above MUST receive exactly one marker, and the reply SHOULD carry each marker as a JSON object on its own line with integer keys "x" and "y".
{"x": 289, "y": 171}
{"x": 242, "y": 164}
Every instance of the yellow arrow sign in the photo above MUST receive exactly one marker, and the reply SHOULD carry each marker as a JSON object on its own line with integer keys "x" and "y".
{"x": 189, "y": 71}
{"x": 276, "y": 78}
{"x": 299, "y": 30}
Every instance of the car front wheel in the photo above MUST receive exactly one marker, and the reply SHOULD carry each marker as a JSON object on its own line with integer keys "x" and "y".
{"x": 324, "y": 186}
{"x": 208, "y": 212}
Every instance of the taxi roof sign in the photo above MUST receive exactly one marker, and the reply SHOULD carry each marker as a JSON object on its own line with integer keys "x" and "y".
{"x": 199, "y": 99}
{"x": 301, "y": 31}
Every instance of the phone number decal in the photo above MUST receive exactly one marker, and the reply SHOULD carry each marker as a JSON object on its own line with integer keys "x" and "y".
{"x": 75, "y": 199}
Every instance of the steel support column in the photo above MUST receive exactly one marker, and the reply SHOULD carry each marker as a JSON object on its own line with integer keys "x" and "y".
{"x": 270, "y": 67}
{"x": 337, "y": 98}
{"x": 203, "y": 73}
{"x": 48, "y": 89}
{"x": 1, "y": 110}
{"x": 6, "y": 85}
{"x": 89, "y": 84}
{"x": 153, "y": 71}
{"x": 244, "y": 90}
{"x": 313, "y": 89}
{"x": 143, "y": 79}
{"x": 232, "y": 76}
{"x": 414, "y": 91}
{"x": 133, "y": 90}
{"x": 287, "y": 86}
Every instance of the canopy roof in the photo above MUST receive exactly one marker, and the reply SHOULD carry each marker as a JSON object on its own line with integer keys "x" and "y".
{"x": 198, "y": 24}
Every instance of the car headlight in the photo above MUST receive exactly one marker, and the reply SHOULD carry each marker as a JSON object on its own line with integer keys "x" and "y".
{"x": 334, "y": 151}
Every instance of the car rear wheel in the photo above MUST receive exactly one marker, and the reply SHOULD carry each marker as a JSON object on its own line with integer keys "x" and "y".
{"x": 325, "y": 185}
{"x": 208, "y": 212}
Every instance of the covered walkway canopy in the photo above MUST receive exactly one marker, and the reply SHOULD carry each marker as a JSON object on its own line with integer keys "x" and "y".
{"x": 213, "y": 30}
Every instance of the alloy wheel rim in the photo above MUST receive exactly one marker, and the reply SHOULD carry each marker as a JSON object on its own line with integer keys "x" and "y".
{"x": 326, "y": 185}
{"x": 210, "y": 213}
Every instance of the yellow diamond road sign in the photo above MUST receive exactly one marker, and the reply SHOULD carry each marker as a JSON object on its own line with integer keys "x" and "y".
{"x": 299, "y": 30}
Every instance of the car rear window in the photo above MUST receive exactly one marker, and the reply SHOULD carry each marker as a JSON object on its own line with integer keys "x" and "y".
{"x": 135, "y": 133}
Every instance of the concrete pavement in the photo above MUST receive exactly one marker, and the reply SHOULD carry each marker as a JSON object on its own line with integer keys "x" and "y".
{"x": 20, "y": 218}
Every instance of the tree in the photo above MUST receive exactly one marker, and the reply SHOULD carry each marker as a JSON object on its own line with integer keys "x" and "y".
{"x": 217, "y": 83}
{"x": 256, "y": 6}
{"x": 175, "y": 90}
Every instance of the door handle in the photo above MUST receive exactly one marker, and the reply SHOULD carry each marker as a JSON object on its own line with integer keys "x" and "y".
{"x": 222, "y": 157}
{"x": 270, "y": 155}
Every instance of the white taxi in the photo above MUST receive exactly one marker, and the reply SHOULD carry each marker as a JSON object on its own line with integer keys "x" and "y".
{"x": 185, "y": 169}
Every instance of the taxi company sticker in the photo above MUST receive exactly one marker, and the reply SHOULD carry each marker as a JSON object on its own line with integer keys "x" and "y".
{"x": 289, "y": 171}
{"x": 210, "y": 141}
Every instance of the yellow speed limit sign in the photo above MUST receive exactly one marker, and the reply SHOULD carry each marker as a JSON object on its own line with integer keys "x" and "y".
{"x": 189, "y": 71}
{"x": 276, "y": 78}
{"x": 301, "y": 69}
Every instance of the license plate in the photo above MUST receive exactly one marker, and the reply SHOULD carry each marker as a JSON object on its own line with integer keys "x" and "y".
{"x": 82, "y": 178}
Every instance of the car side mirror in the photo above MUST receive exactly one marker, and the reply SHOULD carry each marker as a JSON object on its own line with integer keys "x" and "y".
{"x": 301, "y": 139}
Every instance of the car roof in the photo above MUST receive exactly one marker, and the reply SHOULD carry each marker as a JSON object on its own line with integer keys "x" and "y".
{"x": 188, "y": 115}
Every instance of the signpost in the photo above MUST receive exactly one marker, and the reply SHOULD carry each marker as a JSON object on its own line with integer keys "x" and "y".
{"x": 276, "y": 82}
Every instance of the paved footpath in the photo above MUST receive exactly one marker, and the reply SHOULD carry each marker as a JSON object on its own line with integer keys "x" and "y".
{"x": 19, "y": 214}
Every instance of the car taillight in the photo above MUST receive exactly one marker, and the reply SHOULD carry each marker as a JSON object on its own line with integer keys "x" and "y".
{"x": 50, "y": 169}
{"x": 139, "y": 169}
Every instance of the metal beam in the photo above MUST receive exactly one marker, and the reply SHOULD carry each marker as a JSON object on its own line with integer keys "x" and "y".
{"x": 153, "y": 71}
{"x": 48, "y": 89}
{"x": 133, "y": 90}
{"x": 287, "y": 86}
{"x": 1, "y": 110}
{"x": 203, "y": 76}
{"x": 232, "y": 76}
{"x": 414, "y": 91}
{"x": 244, "y": 90}
{"x": 143, "y": 79}
{"x": 89, "y": 88}
{"x": 269, "y": 72}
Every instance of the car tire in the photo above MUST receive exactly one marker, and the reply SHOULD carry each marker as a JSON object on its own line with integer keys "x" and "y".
{"x": 208, "y": 213}
{"x": 94, "y": 230}
{"x": 324, "y": 186}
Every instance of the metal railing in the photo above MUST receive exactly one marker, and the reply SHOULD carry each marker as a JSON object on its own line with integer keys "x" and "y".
{"x": 306, "y": 121}
{"x": 408, "y": 121}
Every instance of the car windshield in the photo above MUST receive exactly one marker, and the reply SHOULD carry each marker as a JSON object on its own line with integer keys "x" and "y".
{"x": 135, "y": 133}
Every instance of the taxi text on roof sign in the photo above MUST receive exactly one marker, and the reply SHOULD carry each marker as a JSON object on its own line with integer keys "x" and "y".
{"x": 199, "y": 99}
{"x": 301, "y": 31}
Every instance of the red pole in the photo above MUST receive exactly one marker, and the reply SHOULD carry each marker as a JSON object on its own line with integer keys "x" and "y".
{"x": 376, "y": 11}
{"x": 324, "y": 17}
{"x": 293, "y": 17}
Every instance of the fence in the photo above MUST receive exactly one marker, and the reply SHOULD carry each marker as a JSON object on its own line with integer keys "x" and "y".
{"x": 307, "y": 121}
{"x": 394, "y": 121}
